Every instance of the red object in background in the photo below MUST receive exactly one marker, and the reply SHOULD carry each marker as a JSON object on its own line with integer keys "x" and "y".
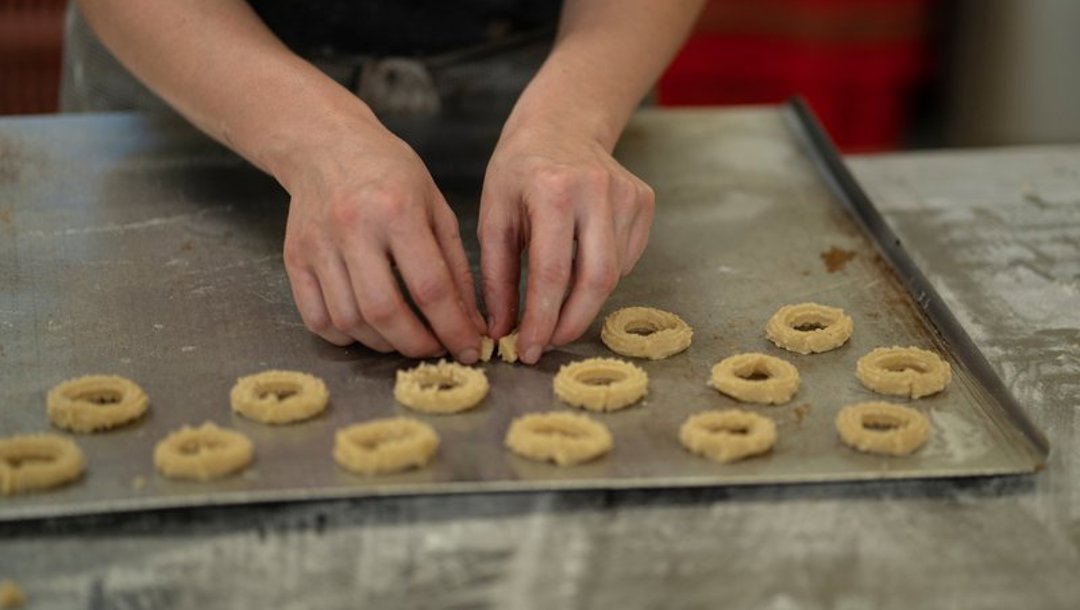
{"x": 855, "y": 61}
{"x": 31, "y": 39}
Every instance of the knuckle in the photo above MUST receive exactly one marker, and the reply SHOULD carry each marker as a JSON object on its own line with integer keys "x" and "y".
{"x": 348, "y": 322}
{"x": 430, "y": 290}
{"x": 317, "y": 323}
{"x": 381, "y": 312}
{"x": 389, "y": 203}
{"x": 553, "y": 273}
{"x": 345, "y": 212}
{"x": 603, "y": 280}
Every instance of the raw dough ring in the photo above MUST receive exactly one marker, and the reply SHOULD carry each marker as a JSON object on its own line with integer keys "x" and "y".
{"x": 903, "y": 371}
{"x": 95, "y": 402}
{"x": 644, "y": 332}
{"x": 444, "y": 387}
{"x": 38, "y": 461}
{"x": 563, "y": 438}
{"x": 202, "y": 453}
{"x": 600, "y": 384}
{"x": 882, "y": 427}
{"x": 737, "y": 376}
{"x": 726, "y": 436}
{"x": 383, "y": 446}
{"x": 279, "y": 397}
{"x": 826, "y": 328}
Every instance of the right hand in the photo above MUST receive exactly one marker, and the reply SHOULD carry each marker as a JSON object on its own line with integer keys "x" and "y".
{"x": 362, "y": 203}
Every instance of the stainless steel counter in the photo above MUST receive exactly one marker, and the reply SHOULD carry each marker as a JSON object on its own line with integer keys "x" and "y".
{"x": 998, "y": 232}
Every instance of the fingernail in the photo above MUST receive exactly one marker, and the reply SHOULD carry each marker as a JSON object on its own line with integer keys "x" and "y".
{"x": 548, "y": 348}
{"x": 491, "y": 323}
{"x": 468, "y": 356}
{"x": 531, "y": 355}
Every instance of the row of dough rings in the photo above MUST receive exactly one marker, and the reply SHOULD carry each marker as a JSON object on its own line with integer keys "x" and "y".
{"x": 279, "y": 397}
{"x": 444, "y": 387}
{"x": 726, "y": 436}
{"x": 600, "y": 384}
{"x": 35, "y": 462}
{"x": 809, "y": 328}
{"x": 564, "y": 438}
{"x": 756, "y": 378}
{"x": 202, "y": 453}
{"x": 644, "y": 332}
{"x": 881, "y": 427}
{"x": 95, "y": 402}
{"x": 384, "y": 446}
{"x": 903, "y": 371}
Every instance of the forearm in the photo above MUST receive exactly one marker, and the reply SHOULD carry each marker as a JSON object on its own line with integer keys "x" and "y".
{"x": 220, "y": 67}
{"x": 607, "y": 55}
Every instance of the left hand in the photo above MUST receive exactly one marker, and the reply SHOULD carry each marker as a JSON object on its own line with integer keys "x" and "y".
{"x": 547, "y": 189}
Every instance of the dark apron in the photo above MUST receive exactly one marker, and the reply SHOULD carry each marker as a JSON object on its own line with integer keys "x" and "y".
{"x": 403, "y": 57}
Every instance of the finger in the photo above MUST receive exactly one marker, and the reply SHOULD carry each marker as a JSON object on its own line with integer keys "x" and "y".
{"x": 428, "y": 278}
{"x": 550, "y": 249}
{"x": 383, "y": 307}
{"x": 639, "y": 232}
{"x": 449, "y": 238}
{"x": 309, "y": 301}
{"x": 500, "y": 269}
{"x": 625, "y": 212}
{"x": 596, "y": 275}
{"x": 342, "y": 307}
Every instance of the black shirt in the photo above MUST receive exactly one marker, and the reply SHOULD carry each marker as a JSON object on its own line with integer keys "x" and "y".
{"x": 316, "y": 28}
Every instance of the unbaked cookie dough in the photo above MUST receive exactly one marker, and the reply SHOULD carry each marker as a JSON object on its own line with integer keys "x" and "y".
{"x": 809, "y": 328}
{"x": 36, "y": 462}
{"x": 203, "y": 453}
{"x": 564, "y": 438}
{"x": 279, "y": 397}
{"x": 384, "y": 446}
{"x": 903, "y": 371}
{"x": 881, "y": 427}
{"x": 600, "y": 384}
{"x": 11, "y": 595}
{"x": 95, "y": 402}
{"x": 444, "y": 387}
{"x": 487, "y": 348}
{"x": 727, "y": 436}
{"x": 644, "y": 332}
{"x": 757, "y": 378}
{"x": 507, "y": 348}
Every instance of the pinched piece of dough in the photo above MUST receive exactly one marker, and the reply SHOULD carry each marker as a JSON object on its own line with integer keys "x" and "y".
{"x": 882, "y": 428}
{"x": 11, "y": 595}
{"x": 809, "y": 328}
{"x": 95, "y": 402}
{"x": 508, "y": 347}
{"x": 644, "y": 332}
{"x": 279, "y": 397}
{"x": 203, "y": 453}
{"x": 903, "y": 371}
{"x": 727, "y": 436}
{"x": 564, "y": 438}
{"x": 600, "y": 384}
{"x": 487, "y": 348}
{"x": 36, "y": 462}
{"x": 443, "y": 388}
{"x": 385, "y": 446}
{"x": 757, "y": 378}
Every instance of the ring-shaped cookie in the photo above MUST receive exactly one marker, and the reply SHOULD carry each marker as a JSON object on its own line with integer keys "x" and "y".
{"x": 727, "y": 436}
{"x": 644, "y": 332}
{"x": 35, "y": 462}
{"x": 385, "y": 446}
{"x": 443, "y": 388}
{"x": 564, "y": 438}
{"x": 95, "y": 402}
{"x": 203, "y": 453}
{"x": 279, "y": 397}
{"x": 809, "y": 328}
{"x": 757, "y": 378}
{"x": 600, "y": 384}
{"x": 882, "y": 427}
{"x": 903, "y": 371}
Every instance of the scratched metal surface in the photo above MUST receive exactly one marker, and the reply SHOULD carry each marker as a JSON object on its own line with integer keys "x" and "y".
{"x": 136, "y": 249}
{"x": 996, "y": 233}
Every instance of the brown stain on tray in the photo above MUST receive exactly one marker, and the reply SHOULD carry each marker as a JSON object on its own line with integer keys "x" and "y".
{"x": 836, "y": 259}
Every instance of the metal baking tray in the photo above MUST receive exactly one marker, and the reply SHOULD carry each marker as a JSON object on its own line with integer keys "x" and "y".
{"x": 138, "y": 248}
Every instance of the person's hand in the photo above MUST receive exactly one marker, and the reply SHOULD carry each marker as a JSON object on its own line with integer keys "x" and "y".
{"x": 584, "y": 220}
{"x": 363, "y": 203}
